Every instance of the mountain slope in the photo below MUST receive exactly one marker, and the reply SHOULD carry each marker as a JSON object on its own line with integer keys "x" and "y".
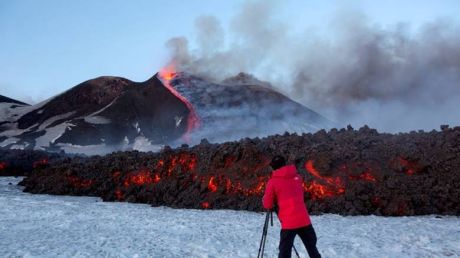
{"x": 112, "y": 113}
{"x": 106, "y": 113}
{"x": 243, "y": 106}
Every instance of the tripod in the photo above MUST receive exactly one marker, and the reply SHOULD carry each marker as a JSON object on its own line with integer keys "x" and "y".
{"x": 268, "y": 217}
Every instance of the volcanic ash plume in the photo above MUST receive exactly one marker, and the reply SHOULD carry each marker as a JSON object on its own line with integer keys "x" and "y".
{"x": 394, "y": 78}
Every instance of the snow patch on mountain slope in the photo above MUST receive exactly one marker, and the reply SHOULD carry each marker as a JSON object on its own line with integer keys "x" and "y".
{"x": 97, "y": 120}
{"x": 51, "y": 135}
{"x": 22, "y": 110}
{"x": 53, "y": 119}
{"x": 94, "y": 149}
{"x": 5, "y": 111}
{"x": 19, "y": 146}
{"x": 142, "y": 144}
{"x": 67, "y": 226}
{"x": 8, "y": 141}
{"x": 13, "y": 130}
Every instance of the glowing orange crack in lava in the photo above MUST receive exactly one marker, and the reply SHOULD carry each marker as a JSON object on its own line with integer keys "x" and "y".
{"x": 212, "y": 185}
{"x": 333, "y": 185}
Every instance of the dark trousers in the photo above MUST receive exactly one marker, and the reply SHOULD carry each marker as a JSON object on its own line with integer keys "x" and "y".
{"x": 308, "y": 236}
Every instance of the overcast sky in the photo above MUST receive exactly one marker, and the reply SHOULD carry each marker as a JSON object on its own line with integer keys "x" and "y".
{"x": 49, "y": 46}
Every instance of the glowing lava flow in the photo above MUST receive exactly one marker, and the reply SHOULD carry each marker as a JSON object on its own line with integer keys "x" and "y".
{"x": 366, "y": 176}
{"x": 141, "y": 177}
{"x": 212, "y": 185}
{"x": 41, "y": 162}
{"x": 77, "y": 182}
{"x": 331, "y": 185}
{"x": 166, "y": 74}
{"x": 409, "y": 167}
{"x": 3, "y": 165}
{"x": 205, "y": 205}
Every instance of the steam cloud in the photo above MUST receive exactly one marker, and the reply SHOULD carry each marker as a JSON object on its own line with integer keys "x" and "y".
{"x": 389, "y": 78}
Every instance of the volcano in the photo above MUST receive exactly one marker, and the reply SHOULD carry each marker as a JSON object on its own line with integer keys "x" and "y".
{"x": 111, "y": 113}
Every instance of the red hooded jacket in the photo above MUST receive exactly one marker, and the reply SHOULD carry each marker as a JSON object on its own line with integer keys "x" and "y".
{"x": 285, "y": 190}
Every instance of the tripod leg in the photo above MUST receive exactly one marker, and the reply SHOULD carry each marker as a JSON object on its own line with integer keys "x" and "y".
{"x": 264, "y": 236}
{"x": 295, "y": 250}
{"x": 263, "y": 247}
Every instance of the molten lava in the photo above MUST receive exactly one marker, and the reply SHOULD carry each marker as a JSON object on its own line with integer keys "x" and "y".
{"x": 116, "y": 175}
{"x": 39, "y": 163}
{"x": 205, "y": 205}
{"x": 160, "y": 164}
{"x": 407, "y": 166}
{"x": 3, "y": 165}
{"x": 139, "y": 178}
{"x": 77, "y": 182}
{"x": 258, "y": 189}
{"x": 212, "y": 185}
{"x": 366, "y": 176}
{"x": 229, "y": 160}
{"x": 324, "y": 186}
{"x": 187, "y": 162}
{"x": 327, "y": 186}
{"x": 183, "y": 162}
{"x": 156, "y": 178}
{"x": 319, "y": 191}
{"x": 166, "y": 74}
{"x": 367, "y": 173}
{"x": 228, "y": 185}
{"x": 119, "y": 194}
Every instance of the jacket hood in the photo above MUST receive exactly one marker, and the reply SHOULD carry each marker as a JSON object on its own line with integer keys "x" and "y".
{"x": 288, "y": 171}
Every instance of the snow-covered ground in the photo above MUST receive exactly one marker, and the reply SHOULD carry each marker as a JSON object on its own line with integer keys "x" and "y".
{"x": 65, "y": 226}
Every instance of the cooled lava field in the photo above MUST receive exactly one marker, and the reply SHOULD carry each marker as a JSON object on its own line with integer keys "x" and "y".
{"x": 345, "y": 171}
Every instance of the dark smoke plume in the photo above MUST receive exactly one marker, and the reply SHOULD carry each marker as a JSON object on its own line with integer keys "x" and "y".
{"x": 393, "y": 78}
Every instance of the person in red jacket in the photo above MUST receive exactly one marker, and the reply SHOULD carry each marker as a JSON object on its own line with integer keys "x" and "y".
{"x": 285, "y": 192}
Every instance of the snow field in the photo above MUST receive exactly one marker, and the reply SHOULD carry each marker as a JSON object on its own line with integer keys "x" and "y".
{"x": 67, "y": 226}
